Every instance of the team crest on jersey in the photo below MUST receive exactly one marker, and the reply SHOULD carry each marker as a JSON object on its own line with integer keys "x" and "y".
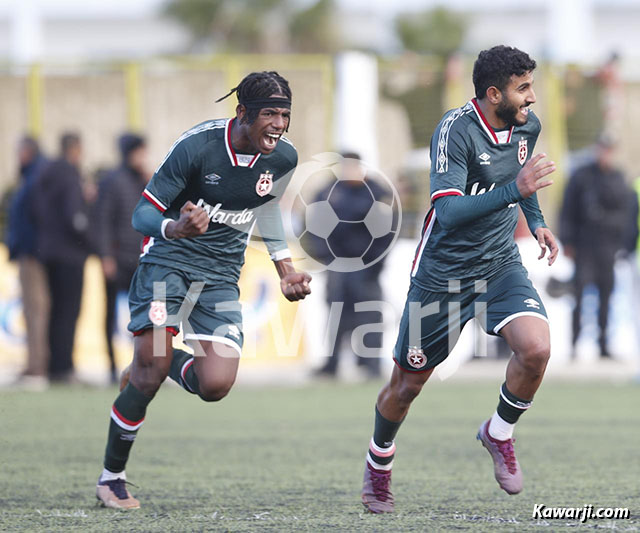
{"x": 523, "y": 151}
{"x": 158, "y": 313}
{"x": 416, "y": 357}
{"x": 265, "y": 184}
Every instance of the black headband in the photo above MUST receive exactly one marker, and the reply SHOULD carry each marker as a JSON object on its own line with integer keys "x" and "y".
{"x": 260, "y": 103}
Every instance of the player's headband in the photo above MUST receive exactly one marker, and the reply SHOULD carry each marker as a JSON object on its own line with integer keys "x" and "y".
{"x": 260, "y": 103}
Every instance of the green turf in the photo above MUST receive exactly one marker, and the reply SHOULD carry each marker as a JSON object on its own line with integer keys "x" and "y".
{"x": 292, "y": 460}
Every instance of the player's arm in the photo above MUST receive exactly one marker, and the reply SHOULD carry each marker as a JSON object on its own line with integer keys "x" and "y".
{"x": 294, "y": 285}
{"x": 269, "y": 222}
{"x": 538, "y": 227}
{"x": 454, "y": 210}
{"x": 450, "y": 153}
{"x": 531, "y": 209}
{"x": 169, "y": 180}
{"x": 148, "y": 220}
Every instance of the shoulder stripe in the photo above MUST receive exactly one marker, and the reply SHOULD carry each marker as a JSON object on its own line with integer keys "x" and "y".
{"x": 154, "y": 200}
{"x": 446, "y": 192}
{"x": 283, "y": 138}
{"x": 205, "y": 126}
{"x": 442, "y": 159}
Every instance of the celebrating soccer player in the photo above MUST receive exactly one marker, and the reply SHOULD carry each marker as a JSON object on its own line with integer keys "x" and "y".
{"x": 467, "y": 264}
{"x": 218, "y": 180}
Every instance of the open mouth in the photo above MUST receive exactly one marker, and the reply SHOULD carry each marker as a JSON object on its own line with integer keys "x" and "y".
{"x": 271, "y": 139}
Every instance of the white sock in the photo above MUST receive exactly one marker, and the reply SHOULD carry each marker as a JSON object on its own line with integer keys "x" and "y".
{"x": 499, "y": 428}
{"x": 108, "y": 476}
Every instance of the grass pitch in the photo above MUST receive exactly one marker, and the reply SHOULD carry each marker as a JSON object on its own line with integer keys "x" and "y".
{"x": 270, "y": 459}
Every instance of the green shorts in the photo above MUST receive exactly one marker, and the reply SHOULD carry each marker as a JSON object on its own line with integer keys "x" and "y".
{"x": 432, "y": 321}
{"x": 204, "y": 310}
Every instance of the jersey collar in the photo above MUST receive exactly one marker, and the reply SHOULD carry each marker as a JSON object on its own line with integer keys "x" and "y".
{"x": 487, "y": 127}
{"x": 237, "y": 160}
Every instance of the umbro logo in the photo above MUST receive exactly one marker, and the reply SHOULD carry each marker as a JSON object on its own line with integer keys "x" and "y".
{"x": 212, "y": 179}
{"x": 532, "y": 303}
{"x": 484, "y": 158}
{"x": 234, "y": 331}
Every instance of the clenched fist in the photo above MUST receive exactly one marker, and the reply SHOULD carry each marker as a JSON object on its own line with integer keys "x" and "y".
{"x": 193, "y": 221}
{"x": 295, "y": 285}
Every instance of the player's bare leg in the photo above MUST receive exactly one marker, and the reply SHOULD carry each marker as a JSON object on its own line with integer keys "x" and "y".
{"x": 209, "y": 372}
{"x": 124, "y": 377}
{"x": 528, "y": 337}
{"x": 216, "y": 371}
{"x": 392, "y": 406}
{"x": 147, "y": 373}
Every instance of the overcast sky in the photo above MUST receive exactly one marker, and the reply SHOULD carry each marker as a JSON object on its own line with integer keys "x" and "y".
{"x": 385, "y": 7}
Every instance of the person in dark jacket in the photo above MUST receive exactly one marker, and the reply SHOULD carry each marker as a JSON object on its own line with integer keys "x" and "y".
{"x": 21, "y": 241}
{"x": 118, "y": 243}
{"x": 594, "y": 228}
{"x": 62, "y": 223}
{"x": 351, "y": 199}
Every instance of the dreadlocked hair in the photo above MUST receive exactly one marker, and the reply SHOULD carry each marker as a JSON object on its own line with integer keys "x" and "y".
{"x": 259, "y": 85}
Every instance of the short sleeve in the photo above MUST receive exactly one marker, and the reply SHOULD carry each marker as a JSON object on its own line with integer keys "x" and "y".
{"x": 449, "y": 156}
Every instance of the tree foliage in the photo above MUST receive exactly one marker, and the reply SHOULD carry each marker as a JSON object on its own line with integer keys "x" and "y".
{"x": 437, "y": 31}
{"x": 255, "y": 26}
{"x": 197, "y": 15}
{"x": 313, "y": 29}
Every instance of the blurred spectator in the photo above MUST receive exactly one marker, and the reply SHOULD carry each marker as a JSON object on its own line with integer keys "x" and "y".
{"x": 634, "y": 246}
{"x": 594, "y": 225}
{"x": 351, "y": 200}
{"x": 21, "y": 241}
{"x": 612, "y": 96}
{"x": 62, "y": 243}
{"x": 118, "y": 243}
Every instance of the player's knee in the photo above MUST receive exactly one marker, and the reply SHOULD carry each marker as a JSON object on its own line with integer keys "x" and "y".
{"x": 534, "y": 355}
{"x": 214, "y": 390}
{"x": 148, "y": 383}
{"x": 407, "y": 391}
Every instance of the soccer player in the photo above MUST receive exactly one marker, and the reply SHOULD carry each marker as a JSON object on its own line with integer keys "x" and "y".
{"x": 467, "y": 263}
{"x": 219, "y": 179}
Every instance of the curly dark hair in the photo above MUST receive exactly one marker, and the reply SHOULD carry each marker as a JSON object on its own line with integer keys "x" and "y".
{"x": 494, "y": 68}
{"x": 259, "y": 85}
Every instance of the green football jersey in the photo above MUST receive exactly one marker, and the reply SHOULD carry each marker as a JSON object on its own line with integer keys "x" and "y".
{"x": 236, "y": 190}
{"x": 469, "y": 157}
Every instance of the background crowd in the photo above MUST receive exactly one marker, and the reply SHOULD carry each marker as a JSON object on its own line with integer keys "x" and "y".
{"x": 57, "y": 218}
